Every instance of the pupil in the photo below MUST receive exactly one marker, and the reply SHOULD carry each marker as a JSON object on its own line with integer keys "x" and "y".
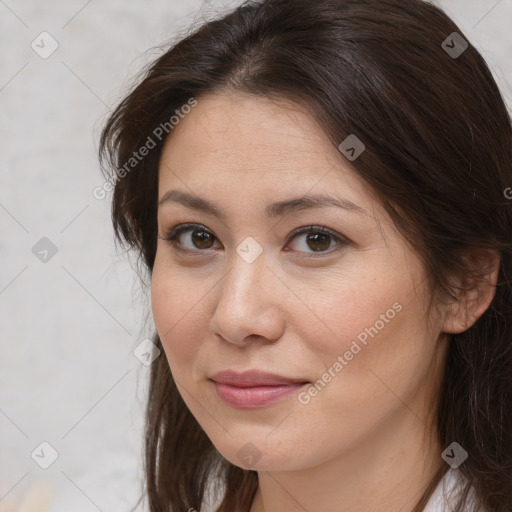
{"x": 201, "y": 236}
{"x": 314, "y": 238}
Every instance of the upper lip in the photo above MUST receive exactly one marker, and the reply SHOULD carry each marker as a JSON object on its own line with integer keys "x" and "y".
{"x": 253, "y": 378}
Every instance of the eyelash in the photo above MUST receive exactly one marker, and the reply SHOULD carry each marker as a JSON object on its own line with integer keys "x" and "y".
{"x": 171, "y": 236}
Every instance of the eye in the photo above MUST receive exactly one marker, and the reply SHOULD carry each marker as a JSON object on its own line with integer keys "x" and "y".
{"x": 319, "y": 239}
{"x": 201, "y": 237}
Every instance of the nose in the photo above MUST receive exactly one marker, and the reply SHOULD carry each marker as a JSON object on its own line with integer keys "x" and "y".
{"x": 248, "y": 304}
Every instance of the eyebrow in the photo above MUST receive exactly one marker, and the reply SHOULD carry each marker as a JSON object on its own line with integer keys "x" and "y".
{"x": 277, "y": 209}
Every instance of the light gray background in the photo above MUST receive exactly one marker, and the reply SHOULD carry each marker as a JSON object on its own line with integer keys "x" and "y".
{"x": 68, "y": 327}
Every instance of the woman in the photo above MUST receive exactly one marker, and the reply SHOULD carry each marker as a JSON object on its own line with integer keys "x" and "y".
{"x": 318, "y": 193}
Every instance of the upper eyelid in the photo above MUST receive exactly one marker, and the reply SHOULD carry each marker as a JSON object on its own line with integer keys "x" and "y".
{"x": 180, "y": 228}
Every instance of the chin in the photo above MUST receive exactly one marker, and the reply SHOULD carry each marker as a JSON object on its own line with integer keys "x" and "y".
{"x": 263, "y": 454}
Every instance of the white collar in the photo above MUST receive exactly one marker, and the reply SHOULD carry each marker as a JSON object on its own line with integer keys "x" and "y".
{"x": 446, "y": 494}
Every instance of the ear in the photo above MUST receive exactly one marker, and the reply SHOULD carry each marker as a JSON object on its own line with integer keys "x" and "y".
{"x": 474, "y": 301}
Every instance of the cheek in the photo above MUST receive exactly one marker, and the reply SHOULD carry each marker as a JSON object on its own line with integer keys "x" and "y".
{"x": 351, "y": 310}
{"x": 386, "y": 352}
{"x": 176, "y": 313}
{"x": 358, "y": 384}
{"x": 374, "y": 322}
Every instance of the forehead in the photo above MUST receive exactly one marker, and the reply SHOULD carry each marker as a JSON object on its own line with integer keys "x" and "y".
{"x": 246, "y": 131}
{"x": 227, "y": 137}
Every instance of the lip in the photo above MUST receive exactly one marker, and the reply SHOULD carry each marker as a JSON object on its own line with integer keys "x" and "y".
{"x": 251, "y": 378}
{"x": 253, "y": 389}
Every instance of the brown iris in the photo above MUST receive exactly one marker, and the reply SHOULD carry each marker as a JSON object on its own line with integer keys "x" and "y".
{"x": 200, "y": 237}
{"x": 319, "y": 238}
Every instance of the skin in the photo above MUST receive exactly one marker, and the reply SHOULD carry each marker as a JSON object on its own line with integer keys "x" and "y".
{"x": 363, "y": 441}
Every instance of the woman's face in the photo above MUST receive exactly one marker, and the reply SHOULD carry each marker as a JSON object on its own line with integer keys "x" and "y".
{"x": 342, "y": 314}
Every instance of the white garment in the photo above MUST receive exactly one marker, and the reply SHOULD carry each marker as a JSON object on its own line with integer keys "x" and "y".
{"x": 447, "y": 494}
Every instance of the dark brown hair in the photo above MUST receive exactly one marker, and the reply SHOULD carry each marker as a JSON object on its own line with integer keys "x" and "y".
{"x": 438, "y": 156}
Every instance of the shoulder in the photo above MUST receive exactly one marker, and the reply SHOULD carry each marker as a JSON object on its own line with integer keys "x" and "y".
{"x": 448, "y": 492}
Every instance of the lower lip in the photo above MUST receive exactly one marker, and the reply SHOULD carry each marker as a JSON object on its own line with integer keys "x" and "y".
{"x": 255, "y": 397}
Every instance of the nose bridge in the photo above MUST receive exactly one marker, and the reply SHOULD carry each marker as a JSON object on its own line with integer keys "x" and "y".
{"x": 244, "y": 280}
{"x": 246, "y": 304}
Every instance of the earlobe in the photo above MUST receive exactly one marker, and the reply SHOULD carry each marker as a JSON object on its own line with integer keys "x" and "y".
{"x": 474, "y": 298}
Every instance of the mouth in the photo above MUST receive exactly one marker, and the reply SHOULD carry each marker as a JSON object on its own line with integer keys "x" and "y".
{"x": 253, "y": 389}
